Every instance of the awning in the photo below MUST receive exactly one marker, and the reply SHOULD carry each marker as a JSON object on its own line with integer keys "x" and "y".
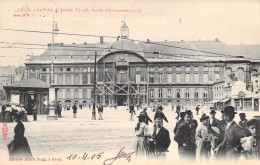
{"x": 214, "y": 101}
{"x": 224, "y": 100}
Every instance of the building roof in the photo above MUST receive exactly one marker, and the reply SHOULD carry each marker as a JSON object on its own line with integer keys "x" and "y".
{"x": 154, "y": 50}
{"x": 29, "y": 83}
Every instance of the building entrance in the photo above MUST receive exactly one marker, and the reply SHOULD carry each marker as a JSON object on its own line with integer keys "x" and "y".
{"x": 121, "y": 100}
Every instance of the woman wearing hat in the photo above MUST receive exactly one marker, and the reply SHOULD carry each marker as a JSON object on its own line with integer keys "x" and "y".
{"x": 19, "y": 147}
{"x": 203, "y": 138}
{"x": 142, "y": 146}
{"x": 8, "y": 116}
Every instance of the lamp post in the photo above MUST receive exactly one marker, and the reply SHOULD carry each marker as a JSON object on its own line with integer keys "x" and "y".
{"x": 94, "y": 95}
{"x": 52, "y": 99}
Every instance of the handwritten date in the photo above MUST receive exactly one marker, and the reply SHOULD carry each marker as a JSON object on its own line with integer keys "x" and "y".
{"x": 85, "y": 156}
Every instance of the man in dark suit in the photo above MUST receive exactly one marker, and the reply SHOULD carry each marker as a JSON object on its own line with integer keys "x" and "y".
{"x": 222, "y": 127}
{"x": 213, "y": 121}
{"x": 147, "y": 117}
{"x": 161, "y": 139}
{"x": 131, "y": 111}
{"x": 243, "y": 123}
{"x": 185, "y": 137}
{"x": 182, "y": 114}
{"x": 230, "y": 147}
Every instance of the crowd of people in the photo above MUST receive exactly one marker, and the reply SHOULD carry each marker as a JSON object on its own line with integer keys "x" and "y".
{"x": 10, "y": 112}
{"x": 200, "y": 140}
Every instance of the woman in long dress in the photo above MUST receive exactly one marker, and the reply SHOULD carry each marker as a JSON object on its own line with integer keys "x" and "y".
{"x": 142, "y": 145}
{"x": 203, "y": 139}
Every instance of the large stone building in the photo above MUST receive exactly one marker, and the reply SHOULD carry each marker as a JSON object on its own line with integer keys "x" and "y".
{"x": 167, "y": 73}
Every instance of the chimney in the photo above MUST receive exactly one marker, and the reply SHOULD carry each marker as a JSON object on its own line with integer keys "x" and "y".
{"x": 217, "y": 40}
{"x": 148, "y": 41}
{"x": 85, "y": 43}
{"x": 101, "y": 40}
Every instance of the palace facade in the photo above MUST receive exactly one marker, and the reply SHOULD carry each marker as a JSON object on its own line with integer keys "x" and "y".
{"x": 167, "y": 73}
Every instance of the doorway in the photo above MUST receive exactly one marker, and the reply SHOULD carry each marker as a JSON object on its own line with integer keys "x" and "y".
{"x": 121, "y": 100}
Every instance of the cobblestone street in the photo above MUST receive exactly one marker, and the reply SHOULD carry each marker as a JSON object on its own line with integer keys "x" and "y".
{"x": 68, "y": 135}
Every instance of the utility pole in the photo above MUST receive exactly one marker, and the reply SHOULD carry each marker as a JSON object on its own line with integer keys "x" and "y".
{"x": 94, "y": 95}
{"x": 52, "y": 99}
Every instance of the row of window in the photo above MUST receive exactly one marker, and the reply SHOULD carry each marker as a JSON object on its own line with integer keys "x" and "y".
{"x": 66, "y": 79}
{"x": 67, "y": 69}
{"x": 75, "y": 94}
{"x": 180, "y": 93}
{"x": 181, "y": 68}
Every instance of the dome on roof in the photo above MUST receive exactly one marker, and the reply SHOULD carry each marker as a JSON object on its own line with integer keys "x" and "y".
{"x": 126, "y": 45}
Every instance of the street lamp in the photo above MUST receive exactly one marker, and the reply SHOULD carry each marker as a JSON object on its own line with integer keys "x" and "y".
{"x": 94, "y": 96}
{"x": 52, "y": 99}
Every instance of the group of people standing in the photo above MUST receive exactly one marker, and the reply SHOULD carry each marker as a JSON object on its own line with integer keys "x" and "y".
{"x": 209, "y": 138}
{"x": 153, "y": 145}
{"x": 224, "y": 137}
{"x": 10, "y": 112}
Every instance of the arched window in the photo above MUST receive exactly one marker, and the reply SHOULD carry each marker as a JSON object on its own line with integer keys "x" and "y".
{"x": 241, "y": 74}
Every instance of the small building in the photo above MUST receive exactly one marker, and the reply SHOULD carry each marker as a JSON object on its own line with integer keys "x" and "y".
{"x": 29, "y": 92}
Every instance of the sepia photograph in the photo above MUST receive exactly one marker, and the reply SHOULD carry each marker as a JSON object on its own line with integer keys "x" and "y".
{"x": 136, "y": 82}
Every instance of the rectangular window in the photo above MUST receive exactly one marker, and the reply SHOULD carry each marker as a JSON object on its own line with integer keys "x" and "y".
{"x": 84, "y": 93}
{"x": 68, "y": 93}
{"x": 76, "y": 78}
{"x": 169, "y": 93}
{"x": 205, "y": 68}
{"x": 68, "y": 80}
{"x": 187, "y": 93}
{"x": 60, "y": 79}
{"x": 178, "y": 68}
{"x": 217, "y": 68}
{"x": 138, "y": 78}
{"x": 84, "y": 78}
{"x": 151, "y": 78}
{"x": 151, "y": 93}
{"x": 60, "y": 69}
{"x": 44, "y": 69}
{"x": 160, "y": 78}
{"x": 44, "y": 78}
{"x": 85, "y": 69}
{"x": 196, "y": 94}
{"x": 178, "y": 93}
{"x": 76, "y": 93}
{"x": 76, "y": 69}
{"x": 68, "y": 69}
{"x": 138, "y": 69}
{"x": 160, "y": 93}
{"x": 196, "y": 78}
{"x": 205, "y": 78}
{"x": 92, "y": 78}
{"x": 160, "y": 69}
{"x": 169, "y": 68}
{"x": 178, "y": 78}
{"x": 187, "y": 68}
{"x": 59, "y": 93}
{"x": 196, "y": 69}
{"x": 92, "y": 69}
{"x": 169, "y": 78}
{"x": 151, "y": 69}
{"x": 187, "y": 78}
{"x": 205, "y": 93}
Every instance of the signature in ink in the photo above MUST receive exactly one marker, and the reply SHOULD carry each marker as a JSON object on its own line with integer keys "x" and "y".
{"x": 120, "y": 155}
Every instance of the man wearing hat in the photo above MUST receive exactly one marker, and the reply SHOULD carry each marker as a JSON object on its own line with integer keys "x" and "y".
{"x": 230, "y": 147}
{"x": 185, "y": 137}
{"x": 161, "y": 139}
{"x": 178, "y": 123}
{"x": 251, "y": 144}
{"x": 243, "y": 123}
{"x": 213, "y": 121}
{"x": 147, "y": 117}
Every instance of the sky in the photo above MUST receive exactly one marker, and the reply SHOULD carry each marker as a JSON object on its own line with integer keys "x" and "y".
{"x": 233, "y": 22}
